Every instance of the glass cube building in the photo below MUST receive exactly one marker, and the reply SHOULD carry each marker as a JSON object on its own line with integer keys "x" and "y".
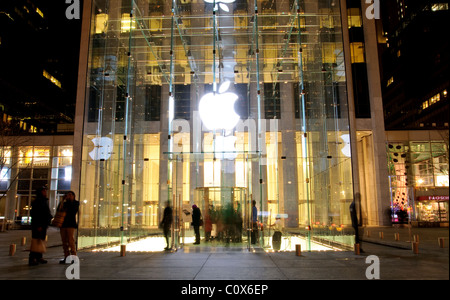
{"x": 216, "y": 103}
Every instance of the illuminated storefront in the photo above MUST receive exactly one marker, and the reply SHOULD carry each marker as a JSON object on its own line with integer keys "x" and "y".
{"x": 28, "y": 163}
{"x": 419, "y": 180}
{"x": 215, "y": 103}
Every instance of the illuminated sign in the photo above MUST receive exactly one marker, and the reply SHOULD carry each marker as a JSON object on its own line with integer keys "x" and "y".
{"x": 217, "y": 109}
{"x": 103, "y": 148}
{"x": 220, "y": 3}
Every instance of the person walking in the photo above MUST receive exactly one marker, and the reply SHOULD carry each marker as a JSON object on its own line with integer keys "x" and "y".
{"x": 40, "y": 220}
{"x": 71, "y": 206}
{"x": 166, "y": 224}
{"x": 196, "y": 222}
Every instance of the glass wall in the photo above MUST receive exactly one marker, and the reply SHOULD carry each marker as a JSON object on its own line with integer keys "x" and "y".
{"x": 216, "y": 103}
{"x": 419, "y": 180}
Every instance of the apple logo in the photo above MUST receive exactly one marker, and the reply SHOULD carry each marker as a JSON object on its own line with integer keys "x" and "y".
{"x": 226, "y": 145}
{"x": 217, "y": 109}
{"x": 103, "y": 148}
{"x": 221, "y": 4}
{"x": 346, "y": 149}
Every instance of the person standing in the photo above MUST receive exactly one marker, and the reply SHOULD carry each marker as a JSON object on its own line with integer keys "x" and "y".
{"x": 166, "y": 224}
{"x": 254, "y": 223}
{"x": 278, "y": 229}
{"x": 40, "y": 220}
{"x": 67, "y": 230}
{"x": 196, "y": 222}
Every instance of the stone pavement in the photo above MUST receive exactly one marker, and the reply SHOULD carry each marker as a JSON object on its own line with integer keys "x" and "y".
{"x": 397, "y": 261}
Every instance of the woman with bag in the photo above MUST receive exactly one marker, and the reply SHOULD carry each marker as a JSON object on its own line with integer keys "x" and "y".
{"x": 70, "y": 206}
{"x": 40, "y": 220}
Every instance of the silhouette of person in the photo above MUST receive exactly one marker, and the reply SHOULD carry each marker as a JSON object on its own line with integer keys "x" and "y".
{"x": 67, "y": 231}
{"x": 254, "y": 223}
{"x": 166, "y": 224}
{"x": 40, "y": 220}
{"x": 196, "y": 222}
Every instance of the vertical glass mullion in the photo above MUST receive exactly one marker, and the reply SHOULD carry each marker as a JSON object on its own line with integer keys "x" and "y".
{"x": 304, "y": 143}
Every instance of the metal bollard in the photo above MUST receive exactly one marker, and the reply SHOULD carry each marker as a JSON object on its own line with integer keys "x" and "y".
{"x": 123, "y": 250}
{"x": 441, "y": 242}
{"x": 298, "y": 249}
{"x": 416, "y": 238}
{"x": 24, "y": 241}
{"x": 415, "y": 247}
{"x": 381, "y": 235}
{"x": 368, "y": 233}
{"x": 357, "y": 249}
{"x": 12, "y": 249}
{"x": 397, "y": 236}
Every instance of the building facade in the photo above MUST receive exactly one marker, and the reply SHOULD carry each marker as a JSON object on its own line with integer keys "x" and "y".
{"x": 218, "y": 103}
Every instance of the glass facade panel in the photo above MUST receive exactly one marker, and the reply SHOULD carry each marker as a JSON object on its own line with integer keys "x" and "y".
{"x": 216, "y": 103}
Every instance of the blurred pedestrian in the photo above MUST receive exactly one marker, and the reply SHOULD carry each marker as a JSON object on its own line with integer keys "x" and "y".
{"x": 166, "y": 224}
{"x": 278, "y": 229}
{"x": 40, "y": 220}
{"x": 71, "y": 206}
{"x": 254, "y": 235}
{"x": 196, "y": 222}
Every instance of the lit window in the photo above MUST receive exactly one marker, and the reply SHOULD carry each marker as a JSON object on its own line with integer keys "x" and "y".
{"x": 127, "y": 23}
{"x": 439, "y": 6}
{"x": 354, "y": 17}
{"x": 101, "y": 23}
{"x": 51, "y": 78}
{"x": 357, "y": 52}
{"x": 390, "y": 81}
{"x": 39, "y": 12}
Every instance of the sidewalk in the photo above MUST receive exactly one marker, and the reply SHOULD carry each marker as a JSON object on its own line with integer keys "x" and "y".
{"x": 397, "y": 261}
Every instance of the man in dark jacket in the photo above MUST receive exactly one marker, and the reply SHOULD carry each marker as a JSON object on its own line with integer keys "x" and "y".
{"x": 67, "y": 231}
{"x": 40, "y": 220}
{"x": 196, "y": 222}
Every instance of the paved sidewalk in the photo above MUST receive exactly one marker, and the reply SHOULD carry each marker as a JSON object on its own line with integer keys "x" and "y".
{"x": 396, "y": 258}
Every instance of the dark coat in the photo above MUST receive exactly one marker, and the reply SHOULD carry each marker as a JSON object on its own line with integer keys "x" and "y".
{"x": 71, "y": 209}
{"x": 167, "y": 219}
{"x": 40, "y": 217}
{"x": 196, "y": 216}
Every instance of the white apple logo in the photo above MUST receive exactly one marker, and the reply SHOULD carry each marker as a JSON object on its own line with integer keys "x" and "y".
{"x": 103, "y": 148}
{"x": 346, "y": 149}
{"x": 221, "y": 4}
{"x": 226, "y": 144}
{"x": 217, "y": 109}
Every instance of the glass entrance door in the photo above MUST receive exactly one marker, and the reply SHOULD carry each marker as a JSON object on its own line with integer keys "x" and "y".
{"x": 222, "y": 194}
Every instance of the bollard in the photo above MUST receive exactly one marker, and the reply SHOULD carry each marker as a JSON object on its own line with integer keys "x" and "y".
{"x": 24, "y": 241}
{"x": 441, "y": 242}
{"x": 368, "y": 233}
{"x": 397, "y": 236}
{"x": 12, "y": 249}
{"x": 416, "y": 238}
{"x": 415, "y": 247}
{"x": 357, "y": 249}
{"x": 298, "y": 249}
{"x": 123, "y": 250}
{"x": 381, "y": 235}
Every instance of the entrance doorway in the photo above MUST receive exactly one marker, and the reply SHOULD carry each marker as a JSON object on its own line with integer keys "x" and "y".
{"x": 221, "y": 188}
